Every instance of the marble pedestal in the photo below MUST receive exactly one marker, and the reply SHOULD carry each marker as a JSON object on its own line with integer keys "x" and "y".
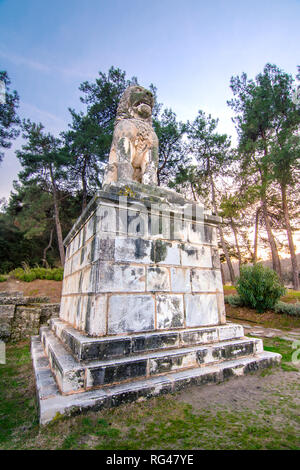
{"x": 142, "y": 308}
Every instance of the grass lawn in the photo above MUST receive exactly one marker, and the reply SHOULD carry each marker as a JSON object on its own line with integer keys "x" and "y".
{"x": 259, "y": 411}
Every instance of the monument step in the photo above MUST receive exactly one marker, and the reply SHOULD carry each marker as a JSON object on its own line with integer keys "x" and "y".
{"x": 73, "y": 376}
{"x": 52, "y": 403}
{"x": 85, "y": 348}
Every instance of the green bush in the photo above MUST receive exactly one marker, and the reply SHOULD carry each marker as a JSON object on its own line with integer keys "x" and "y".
{"x": 233, "y": 300}
{"x": 290, "y": 309}
{"x": 30, "y": 274}
{"x": 3, "y": 278}
{"x": 17, "y": 273}
{"x": 259, "y": 287}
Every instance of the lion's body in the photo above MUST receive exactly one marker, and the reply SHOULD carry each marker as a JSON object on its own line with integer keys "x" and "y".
{"x": 134, "y": 151}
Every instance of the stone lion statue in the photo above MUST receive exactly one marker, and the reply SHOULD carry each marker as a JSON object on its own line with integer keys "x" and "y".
{"x": 134, "y": 151}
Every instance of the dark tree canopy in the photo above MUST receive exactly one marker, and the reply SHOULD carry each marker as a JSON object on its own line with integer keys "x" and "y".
{"x": 9, "y": 120}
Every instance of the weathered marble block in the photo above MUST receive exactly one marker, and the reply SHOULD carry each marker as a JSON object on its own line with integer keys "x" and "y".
{"x": 144, "y": 262}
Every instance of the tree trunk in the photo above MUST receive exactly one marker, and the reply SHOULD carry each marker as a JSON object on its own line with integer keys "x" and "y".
{"x": 84, "y": 186}
{"x": 44, "y": 260}
{"x": 222, "y": 274}
{"x": 227, "y": 257}
{"x": 222, "y": 239}
{"x": 256, "y": 235}
{"x": 193, "y": 192}
{"x": 290, "y": 238}
{"x": 233, "y": 226}
{"x": 274, "y": 252}
{"x": 264, "y": 180}
{"x": 57, "y": 220}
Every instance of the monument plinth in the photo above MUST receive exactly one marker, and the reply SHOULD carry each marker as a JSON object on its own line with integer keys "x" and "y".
{"x": 142, "y": 308}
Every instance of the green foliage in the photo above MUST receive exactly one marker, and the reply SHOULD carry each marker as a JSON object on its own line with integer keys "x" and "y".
{"x": 172, "y": 152}
{"x": 211, "y": 151}
{"x": 259, "y": 287}
{"x": 14, "y": 247}
{"x": 3, "y": 278}
{"x": 30, "y": 274}
{"x": 9, "y": 120}
{"x": 26, "y": 225}
{"x": 233, "y": 300}
{"x": 290, "y": 309}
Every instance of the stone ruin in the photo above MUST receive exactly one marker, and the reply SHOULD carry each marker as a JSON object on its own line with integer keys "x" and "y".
{"x": 142, "y": 310}
{"x": 21, "y": 317}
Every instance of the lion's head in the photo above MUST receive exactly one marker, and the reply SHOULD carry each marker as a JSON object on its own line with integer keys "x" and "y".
{"x": 135, "y": 103}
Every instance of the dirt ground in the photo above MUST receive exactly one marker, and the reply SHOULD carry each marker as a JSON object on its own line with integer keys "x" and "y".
{"x": 246, "y": 392}
{"x": 51, "y": 289}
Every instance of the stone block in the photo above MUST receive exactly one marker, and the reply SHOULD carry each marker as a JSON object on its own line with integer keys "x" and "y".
{"x": 129, "y": 313}
{"x": 95, "y": 321}
{"x": 230, "y": 331}
{"x": 180, "y": 280}
{"x": 180, "y": 229}
{"x": 206, "y": 281}
{"x": 115, "y": 373}
{"x": 107, "y": 217}
{"x": 120, "y": 278}
{"x": 154, "y": 341}
{"x": 158, "y": 279}
{"x": 201, "y": 336}
{"x": 91, "y": 227}
{"x": 201, "y": 309}
{"x": 103, "y": 248}
{"x": 137, "y": 221}
{"x": 76, "y": 262}
{"x": 196, "y": 233}
{"x": 215, "y": 258}
{"x": 174, "y": 362}
{"x": 26, "y": 322}
{"x": 196, "y": 256}
{"x": 87, "y": 281}
{"x": 105, "y": 349}
{"x": 170, "y": 311}
{"x": 49, "y": 311}
{"x": 221, "y": 307}
{"x": 132, "y": 250}
{"x": 163, "y": 252}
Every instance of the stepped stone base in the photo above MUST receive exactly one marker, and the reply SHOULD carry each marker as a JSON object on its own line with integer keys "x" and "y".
{"x": 142, "y": 308}
{"x": 52, "y": 403}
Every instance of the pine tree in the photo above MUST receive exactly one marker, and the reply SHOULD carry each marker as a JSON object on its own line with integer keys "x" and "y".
{"x": 9, "y": 120}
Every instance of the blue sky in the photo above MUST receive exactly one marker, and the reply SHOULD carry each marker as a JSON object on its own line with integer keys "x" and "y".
{"x": 189, "y": 49}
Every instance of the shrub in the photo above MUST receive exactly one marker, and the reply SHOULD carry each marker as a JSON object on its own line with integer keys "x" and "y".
{"x": 259, "y": 287}
{"x": 30, "y": 274}
{"x": 3, "y": 278}
{"x": 17, "y": 273}
{"x": 290, "y": 309}
{"x": 233, "y": 300}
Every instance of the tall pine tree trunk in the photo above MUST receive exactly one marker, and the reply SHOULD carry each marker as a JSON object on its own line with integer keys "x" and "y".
{"x": 227, "y": 257}
{"x": 57, "y": 220}
{"x": 222, "y": 239}
{"x": 44, "y": 260}
{"x": 274, "y": 251}
{"x": 295, "y": 270}
{"x": 233, "y": 226}
{"x": 84, "y": 186}
{"x": 264, "y": 181}
{"x": 256, "y": 235}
